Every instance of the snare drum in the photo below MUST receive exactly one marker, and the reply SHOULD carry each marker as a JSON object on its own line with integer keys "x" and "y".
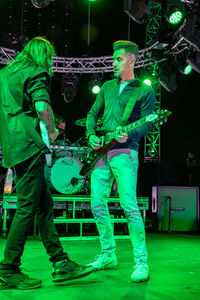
{"x": 65, "y": 176}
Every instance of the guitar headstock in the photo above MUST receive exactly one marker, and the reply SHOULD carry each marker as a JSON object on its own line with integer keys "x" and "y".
{"x": 159, "y": 116}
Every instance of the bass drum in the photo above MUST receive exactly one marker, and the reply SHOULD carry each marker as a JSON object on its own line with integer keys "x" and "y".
{"x": 65, "y": 176}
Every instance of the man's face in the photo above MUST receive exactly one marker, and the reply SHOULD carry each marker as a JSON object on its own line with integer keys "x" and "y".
{"x": 121, "y": 63}
{"x": 61, "y": 125}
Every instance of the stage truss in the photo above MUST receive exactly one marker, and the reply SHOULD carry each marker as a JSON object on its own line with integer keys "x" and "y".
{"x": 152, "y": 146}
{"x": 74, "y": 65}
{"x": 103, "y": 64}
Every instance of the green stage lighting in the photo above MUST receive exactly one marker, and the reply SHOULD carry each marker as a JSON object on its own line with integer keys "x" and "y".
{"x": 175, "y": 16}
{"x": 175, "y": 11}
{"x": 95, "y": 84}
{"x": 95, "y": 89}
{"x": 187, "y": 70}
{"x": 147, "y": 81}
{"x": 183, "y": 65}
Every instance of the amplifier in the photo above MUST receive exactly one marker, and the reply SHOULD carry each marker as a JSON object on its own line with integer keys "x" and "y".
{"x": 176, "y": 208}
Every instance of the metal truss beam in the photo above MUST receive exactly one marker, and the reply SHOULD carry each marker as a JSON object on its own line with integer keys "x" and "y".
{"x": 82, "y": 65}
{"x": 152, "y": 147}
{"x": 94, "y": 64}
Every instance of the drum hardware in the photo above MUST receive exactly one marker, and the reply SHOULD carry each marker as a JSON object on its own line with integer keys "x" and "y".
{"x": 82, "y": 122}
{"x": 75, "y": 180}
{"x": 63, "y": 176}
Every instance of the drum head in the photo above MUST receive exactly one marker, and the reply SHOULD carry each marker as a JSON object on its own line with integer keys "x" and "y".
{"x": 65, "y": 175}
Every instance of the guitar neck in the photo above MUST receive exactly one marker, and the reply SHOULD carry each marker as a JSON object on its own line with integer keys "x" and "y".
{"x": 111, "y": 135}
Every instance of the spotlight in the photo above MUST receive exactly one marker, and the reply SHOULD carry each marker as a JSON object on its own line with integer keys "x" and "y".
{"x": 95, "y": 84}
{"x": 147, "y": 81}
{"x": 148, "y": 75}
{"x": 167, "y": 76}
{"x": 183, "y": 66}
{"x": 175, "y": 15}
{"x": 40, "y": 3}
{"x": 137, "y": 10}
{"x": 69, "y": 88}
{"x": 175, "y": 11}
{"x": 194, "y": 61}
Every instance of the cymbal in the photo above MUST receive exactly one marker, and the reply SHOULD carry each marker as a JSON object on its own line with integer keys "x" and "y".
{"x": 82, "y": 122}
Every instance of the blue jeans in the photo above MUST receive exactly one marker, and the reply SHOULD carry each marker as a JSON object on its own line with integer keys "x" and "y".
{"x": 121, "y": 164}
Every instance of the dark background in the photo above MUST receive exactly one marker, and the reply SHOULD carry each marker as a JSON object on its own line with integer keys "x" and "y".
{"x": 65, "y": 24}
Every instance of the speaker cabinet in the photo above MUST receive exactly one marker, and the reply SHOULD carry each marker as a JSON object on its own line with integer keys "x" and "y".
{"x": 176, "y": 208}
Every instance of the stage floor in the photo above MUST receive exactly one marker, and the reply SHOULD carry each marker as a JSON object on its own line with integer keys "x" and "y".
{"x": 174, "y": 261}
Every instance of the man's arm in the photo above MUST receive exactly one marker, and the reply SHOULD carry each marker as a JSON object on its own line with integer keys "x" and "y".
{"x": 37, "y": 88}
{"x": 45, "y": 114}
{"x": 146, "y": 108}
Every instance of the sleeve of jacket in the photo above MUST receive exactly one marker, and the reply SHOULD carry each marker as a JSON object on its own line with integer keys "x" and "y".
{"x": 94, "y": 112}
{"x": 38, "y": 87}
{"x": 147, "y": 106}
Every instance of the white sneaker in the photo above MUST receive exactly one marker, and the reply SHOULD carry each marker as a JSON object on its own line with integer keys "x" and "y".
{"x": 105, "y": 261}
{"x": 140, "y": 273}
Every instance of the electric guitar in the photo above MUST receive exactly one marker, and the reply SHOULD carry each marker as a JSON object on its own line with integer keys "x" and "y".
{"x": 108, "y": 140}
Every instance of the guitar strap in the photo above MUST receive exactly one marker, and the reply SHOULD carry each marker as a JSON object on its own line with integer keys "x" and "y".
{"x": 130, "y": 104}
{"x": 18, "y": 113}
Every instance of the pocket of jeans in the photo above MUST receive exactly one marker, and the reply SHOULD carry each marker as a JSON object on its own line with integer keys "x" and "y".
{"x": 134, "y": 156}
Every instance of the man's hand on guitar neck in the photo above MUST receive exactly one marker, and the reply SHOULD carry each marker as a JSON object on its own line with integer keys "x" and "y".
{"x": 94, "y": 141}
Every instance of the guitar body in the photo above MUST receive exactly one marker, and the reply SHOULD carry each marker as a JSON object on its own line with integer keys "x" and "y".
{"x": 108, "y": 140}
{"x": 94, "y": 156}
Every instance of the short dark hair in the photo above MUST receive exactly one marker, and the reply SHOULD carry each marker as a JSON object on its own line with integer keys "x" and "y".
{"x": 58, "y": 119}
{"x": 128, "y": 46}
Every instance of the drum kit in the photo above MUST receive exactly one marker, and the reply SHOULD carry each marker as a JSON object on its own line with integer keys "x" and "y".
{"x": 63, "y": 175}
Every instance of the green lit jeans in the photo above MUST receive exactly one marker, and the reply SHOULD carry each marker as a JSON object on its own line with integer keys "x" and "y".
{"x": 33, "y": 197}
{"x": 121, "y": 164}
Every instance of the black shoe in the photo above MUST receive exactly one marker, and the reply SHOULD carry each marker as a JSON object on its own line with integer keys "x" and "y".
{"x": 66, "y": 270}
{"x": 17, "y": 280}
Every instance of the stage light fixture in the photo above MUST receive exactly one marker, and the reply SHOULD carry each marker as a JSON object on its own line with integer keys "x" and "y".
{"x": 147, "y": 81}
{"x": 167, "y": 76}
{"x": 69, "y": 87}
{"x": 175, "y": 15}
{"x": 40, "y": 3}
{"x": 95, "y": 84}
{"x": 194, "y": 60}
{"x": 183, "y": 66}
{"x": 137, "y": 9}
{"x": 188, "y": 70}
{"x": 147, "y": 76}
{"x": 175, "y": 11}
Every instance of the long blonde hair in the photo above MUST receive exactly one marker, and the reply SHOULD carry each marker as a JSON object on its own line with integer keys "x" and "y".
{"x": 37, "y": 52}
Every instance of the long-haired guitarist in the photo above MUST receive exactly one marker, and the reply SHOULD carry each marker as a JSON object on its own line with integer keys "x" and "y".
{"x": 121, "y": 161}
{"x": 24, "y": 102}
